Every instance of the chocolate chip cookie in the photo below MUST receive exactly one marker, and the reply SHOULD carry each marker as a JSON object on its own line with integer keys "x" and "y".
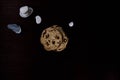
{"x": 53, "y": 38}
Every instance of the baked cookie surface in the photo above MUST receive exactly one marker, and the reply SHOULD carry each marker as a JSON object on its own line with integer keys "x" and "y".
{"x": 53, "y": 38}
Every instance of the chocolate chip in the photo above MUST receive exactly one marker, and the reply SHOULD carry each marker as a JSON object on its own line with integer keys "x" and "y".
{"x": 48, "y": 40}
{"x": 53, "y": 42}
{"x": 47, "y": 43}
{"x": 57, "y": 37}
{"x": 47, "y": 35}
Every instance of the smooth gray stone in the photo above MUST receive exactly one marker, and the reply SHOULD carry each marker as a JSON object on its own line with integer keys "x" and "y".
{"x": 15, "y": 28}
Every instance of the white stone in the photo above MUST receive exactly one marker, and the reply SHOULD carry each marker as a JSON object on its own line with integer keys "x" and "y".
{"x": 71, "y": 24}
{"x": 38, "y": 19}
{"x": 25, "y": 11}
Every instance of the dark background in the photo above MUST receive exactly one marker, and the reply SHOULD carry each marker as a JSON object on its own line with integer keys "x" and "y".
{"x": 22, "y": 57}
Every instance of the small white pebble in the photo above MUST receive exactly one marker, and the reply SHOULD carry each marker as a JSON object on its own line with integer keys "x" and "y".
{"x": 71, "y": 24}
{"x": 38, "y": 19}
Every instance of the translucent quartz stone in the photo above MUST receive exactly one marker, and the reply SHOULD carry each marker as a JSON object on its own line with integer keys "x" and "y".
{"x": 71, "y": 24}
{"x": 25, "y": 11}
{"x": 38, "y": 19}
{"x": 15, "y": 28}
